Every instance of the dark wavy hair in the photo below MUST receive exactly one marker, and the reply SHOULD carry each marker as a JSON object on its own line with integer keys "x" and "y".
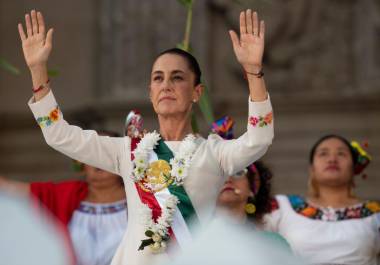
{"x": 189, "y": 58}
{"x": 262, "y": 199}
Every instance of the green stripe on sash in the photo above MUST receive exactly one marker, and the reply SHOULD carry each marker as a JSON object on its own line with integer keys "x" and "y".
{"x": 185, "y": 206}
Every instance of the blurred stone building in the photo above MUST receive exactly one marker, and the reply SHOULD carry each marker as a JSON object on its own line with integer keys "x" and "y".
{"x": 322, "y": 67}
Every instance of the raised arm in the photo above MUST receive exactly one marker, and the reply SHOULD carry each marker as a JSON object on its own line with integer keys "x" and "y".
{"x": 234, "y": 155}
{"x": 83, "y": 145}
{"x": 249, "y": 50}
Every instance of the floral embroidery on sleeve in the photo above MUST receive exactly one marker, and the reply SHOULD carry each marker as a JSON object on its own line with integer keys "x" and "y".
{"x": 261, "y": 121}
{"x": 46, "y": 121}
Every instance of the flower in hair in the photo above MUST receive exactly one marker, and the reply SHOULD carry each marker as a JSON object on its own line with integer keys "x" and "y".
{"x": 363, "y": 157}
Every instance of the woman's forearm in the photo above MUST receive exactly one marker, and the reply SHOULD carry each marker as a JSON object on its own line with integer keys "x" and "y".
{"x": 257, "y": 88}
{"x": 40, "y": 78}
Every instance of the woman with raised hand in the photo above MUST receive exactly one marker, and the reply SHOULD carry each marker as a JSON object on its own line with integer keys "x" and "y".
{"x": 171, "y": 177}
{"x": 331, "y": 225}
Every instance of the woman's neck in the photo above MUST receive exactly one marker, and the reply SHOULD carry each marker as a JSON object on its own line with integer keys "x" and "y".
{"x": 235, "y": 212}
{"x": 174, "y": 128}
{"x": 107, "y": 194}
{"x": 336, "y": 197}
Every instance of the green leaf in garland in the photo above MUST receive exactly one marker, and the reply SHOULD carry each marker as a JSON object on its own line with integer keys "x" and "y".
{"x": 145, "y": 243}
{"x": 186, "y": 3}
{"x": 149, "y": 233}
{"x": 9, "y": 67}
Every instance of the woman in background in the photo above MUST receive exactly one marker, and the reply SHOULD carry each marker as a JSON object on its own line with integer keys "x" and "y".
{"x": 92, "y": 212}
{"x": 331, "y": 225}
{"x": 246, "y": 196}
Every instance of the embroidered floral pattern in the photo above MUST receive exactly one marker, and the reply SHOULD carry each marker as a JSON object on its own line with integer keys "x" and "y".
{"x": 49, "y": 120}
{"x": 90, "y": 208}
{"x": 362, "y": 210}
{"x": 261, "y": 121}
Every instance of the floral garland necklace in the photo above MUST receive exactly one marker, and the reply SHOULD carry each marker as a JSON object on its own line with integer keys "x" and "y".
{"x": 158, "y": 232}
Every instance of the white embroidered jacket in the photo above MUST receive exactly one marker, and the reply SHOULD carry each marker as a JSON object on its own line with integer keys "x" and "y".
{"x": 214, "y": 160}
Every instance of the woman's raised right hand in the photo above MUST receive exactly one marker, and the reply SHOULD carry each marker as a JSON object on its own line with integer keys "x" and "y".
{"x": 36, "y": 45}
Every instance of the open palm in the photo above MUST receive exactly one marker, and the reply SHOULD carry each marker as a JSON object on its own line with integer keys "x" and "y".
{"x": 249, "y": 49}
{"x": 35, "y": 44}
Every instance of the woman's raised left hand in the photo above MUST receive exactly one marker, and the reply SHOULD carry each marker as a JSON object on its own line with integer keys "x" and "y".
{"x": 249, "y": 48}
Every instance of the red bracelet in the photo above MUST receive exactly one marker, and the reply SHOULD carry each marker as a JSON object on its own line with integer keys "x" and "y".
{"x": 258, "y": 74}
{"x": 35, "y": 90}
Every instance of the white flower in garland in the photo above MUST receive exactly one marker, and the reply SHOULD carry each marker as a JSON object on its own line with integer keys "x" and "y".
{"x": 180, "y": 164}
{"x": 141, "y": 154}
{"x": 182, "y": 160}
{"x": 158, "y": 232}
{"x": 146, "y": 216}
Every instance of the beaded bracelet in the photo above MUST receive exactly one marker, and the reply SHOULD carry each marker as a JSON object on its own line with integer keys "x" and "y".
{"x": 35, "y": 90}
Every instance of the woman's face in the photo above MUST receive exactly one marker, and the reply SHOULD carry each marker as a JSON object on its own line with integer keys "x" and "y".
{"x": 99, "y": 178}
{"x": 235, "y": 191}
{"x": 172, "y": 89}
{"x": 332, "y": 163}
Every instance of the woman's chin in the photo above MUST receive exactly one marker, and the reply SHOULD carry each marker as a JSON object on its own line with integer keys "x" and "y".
{"x": 227, "y": 198}
{"x": 168, "y": 110}
{"x": 334, "y": 180}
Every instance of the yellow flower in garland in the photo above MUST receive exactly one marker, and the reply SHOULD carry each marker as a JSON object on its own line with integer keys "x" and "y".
{"x": 373, "y": 206}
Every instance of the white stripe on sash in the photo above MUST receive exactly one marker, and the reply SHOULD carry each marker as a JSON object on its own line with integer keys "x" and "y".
{"x": 179, "y": 226}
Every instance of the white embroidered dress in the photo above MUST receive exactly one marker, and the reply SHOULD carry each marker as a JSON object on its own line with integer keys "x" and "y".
{"x": 214, "y": 160}
{"x": 96, "y": 230}
{"x": 354, "y": 241}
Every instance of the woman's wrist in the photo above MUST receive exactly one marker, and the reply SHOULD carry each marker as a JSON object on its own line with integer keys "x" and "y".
{"x": 254, "y": 69}
{"x": 38, "y": 69}
{"x": 39, "y": 75}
